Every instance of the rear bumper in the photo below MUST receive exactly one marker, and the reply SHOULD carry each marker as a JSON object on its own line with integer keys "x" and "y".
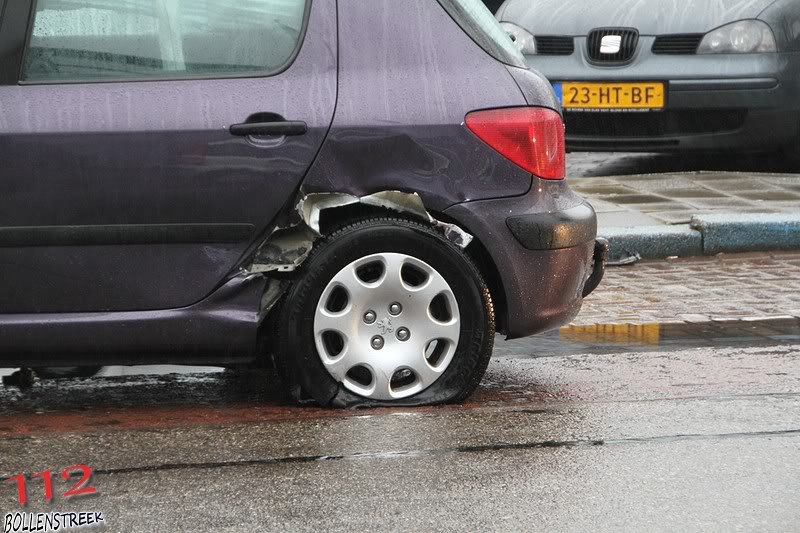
{"x": 557, "y": 230}
{"x": 544, "y": 250}
{"x": 554, "y": 230}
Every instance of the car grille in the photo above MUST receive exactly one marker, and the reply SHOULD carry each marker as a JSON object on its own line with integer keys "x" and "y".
{"x": 660, "y": 124}
{"x": 630, "y": 39}
{"x": 686, "y": 43}
{"x": 554, "y": 45}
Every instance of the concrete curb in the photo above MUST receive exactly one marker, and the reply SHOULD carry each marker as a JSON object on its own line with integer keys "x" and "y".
{"x": 652, "y": 333}
{"x": 748, "y": 232}
{"x": 706, "y": 235}
{"x": 653, "y": 242}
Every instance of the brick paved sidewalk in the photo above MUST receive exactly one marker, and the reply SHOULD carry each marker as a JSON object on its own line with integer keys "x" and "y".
{"x": 694, "y": 293}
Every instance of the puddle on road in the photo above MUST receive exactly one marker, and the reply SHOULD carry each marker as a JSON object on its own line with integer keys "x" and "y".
{"x": 677, "y": 335}
{"x": 613, "y": 333}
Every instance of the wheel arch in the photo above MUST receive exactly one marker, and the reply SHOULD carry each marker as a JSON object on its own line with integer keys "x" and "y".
{"x": 289, "y": 244}
{"x": 319, "y": 214}
{"x": 487, "y": 266}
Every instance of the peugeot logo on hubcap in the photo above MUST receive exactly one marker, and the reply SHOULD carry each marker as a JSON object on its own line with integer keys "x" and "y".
{"x": 385, "y": 326}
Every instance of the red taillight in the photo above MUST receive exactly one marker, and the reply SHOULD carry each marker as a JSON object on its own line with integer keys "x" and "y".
{"x": 531, "y": 137}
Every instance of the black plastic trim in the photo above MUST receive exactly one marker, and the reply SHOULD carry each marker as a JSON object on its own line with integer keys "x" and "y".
{"x": 13, "y": 25}
{"x": 27, "y": 236}
{"x": 555, "y": 45}
{"x": 599, "y": 260}
{"x": 627, "y": 51}
{"x": 724, "y": 84}
{"x": 556, "y": 230}
{"x": 288, "y": 127}
{"x": 677, "y": 44}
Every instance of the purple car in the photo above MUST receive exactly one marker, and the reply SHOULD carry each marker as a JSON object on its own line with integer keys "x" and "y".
{"x": 362, "y": 192}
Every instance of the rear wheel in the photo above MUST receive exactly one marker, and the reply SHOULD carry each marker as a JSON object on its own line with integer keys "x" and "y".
{"x": 385, "y": 312}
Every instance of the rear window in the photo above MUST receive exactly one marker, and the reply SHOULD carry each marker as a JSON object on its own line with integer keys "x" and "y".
{"x": 115, "y": 39}
{"x": 479, "y": 23}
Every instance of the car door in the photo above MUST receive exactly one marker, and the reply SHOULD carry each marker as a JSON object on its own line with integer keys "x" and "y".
{"x": 146, "y": 145}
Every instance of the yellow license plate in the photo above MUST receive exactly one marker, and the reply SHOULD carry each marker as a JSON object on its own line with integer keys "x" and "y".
{"x": 582, "y": 95}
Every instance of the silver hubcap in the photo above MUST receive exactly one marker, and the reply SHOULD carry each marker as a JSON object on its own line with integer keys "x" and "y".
{"x": 387, "y": 326}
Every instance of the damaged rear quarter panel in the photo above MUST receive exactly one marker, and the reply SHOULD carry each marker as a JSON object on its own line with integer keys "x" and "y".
{"x": 399, "y": 117}
{"x": 288, "y": 246}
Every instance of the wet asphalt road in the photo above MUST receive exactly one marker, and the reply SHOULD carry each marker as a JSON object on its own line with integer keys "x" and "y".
{"x": 561, "y": 436}
{"x": 694, "y": 436}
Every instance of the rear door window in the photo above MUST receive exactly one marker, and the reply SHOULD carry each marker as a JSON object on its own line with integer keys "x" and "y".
{"x": 475, "y": 18}
{"x": 121, "y": 39}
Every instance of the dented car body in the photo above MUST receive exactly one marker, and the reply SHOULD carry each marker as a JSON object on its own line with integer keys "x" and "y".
{"x": 163, "y": 218}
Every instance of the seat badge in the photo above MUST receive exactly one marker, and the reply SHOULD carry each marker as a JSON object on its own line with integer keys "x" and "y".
{"x": 611, "y": 44}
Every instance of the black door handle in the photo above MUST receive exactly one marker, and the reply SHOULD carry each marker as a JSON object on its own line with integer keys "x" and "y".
{"x": 284, "y": 127}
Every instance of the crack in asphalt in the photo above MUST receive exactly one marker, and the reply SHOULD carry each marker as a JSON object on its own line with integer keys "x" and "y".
{"x": 443, "y": 451}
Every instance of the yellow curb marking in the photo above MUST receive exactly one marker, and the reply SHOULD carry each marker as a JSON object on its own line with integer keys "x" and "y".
{"x": 649, "y": 333}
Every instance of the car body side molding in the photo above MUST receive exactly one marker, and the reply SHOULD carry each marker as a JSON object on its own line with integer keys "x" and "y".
{"x": 22, "y": 236}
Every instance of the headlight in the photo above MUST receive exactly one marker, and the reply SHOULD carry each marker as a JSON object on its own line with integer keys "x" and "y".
{"x": 522, "y": 38}
{"x": 743, "y": 37}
